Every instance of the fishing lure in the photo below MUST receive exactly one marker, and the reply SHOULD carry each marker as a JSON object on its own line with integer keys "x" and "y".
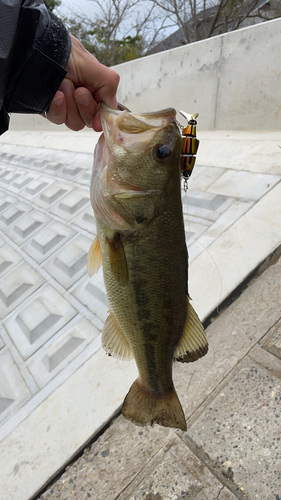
{"x": 190, "y": 145}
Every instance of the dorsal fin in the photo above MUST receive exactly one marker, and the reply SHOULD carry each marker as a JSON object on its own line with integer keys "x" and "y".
{"x": 193, "y": 343}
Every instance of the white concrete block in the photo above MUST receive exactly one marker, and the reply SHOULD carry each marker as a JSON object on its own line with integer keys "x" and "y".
{"x": 43, "y": 315}
{"x": 6, "y": 201}
{"x": 22, "y": 181}
{"x": 17, "y": 286}
{"x": 60, "y": 352}
{"x": 205, "y": 205}
{"x": 9, "y": 216}
{"x": 70, "y": 263}
{"x": 36, "y": 186}
{"x": 13, "y": 390}
{"x": 84, "y": 178}
{"x": 92, "y": 293}
{"x": 9, "y": 258}
{"x": 47, "y": 241}
{"x": 8, "y": 178}
{"x": 72, "y": 204}
{"x": 53, "y": 194}
{"x": 71, "y": 171}
{"x": 27, "y": 226}
{"x": 86, "y": 221}
{"x": 82, "y": 160}
{"x": 53, "y": 167}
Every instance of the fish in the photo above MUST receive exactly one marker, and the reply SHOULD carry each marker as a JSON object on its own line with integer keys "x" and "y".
{"x": 136, "y": 197}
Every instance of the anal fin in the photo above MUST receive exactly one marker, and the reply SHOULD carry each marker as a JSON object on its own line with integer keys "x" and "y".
{"x": 94, "y": 257}
{"x": 114, "y": 341}
{"x": 193, "y": 343}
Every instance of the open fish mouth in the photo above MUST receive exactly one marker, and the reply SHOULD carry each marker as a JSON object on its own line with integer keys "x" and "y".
{"x": 155, "y": 118}
{"x": 121, "y": 126}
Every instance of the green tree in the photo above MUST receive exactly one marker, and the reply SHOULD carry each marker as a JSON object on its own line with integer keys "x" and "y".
{"x": 109, "y": 51}
{"x": 121, "y": 30}
{"x": 52, "y": 4}
{"x": 128, "y": 48}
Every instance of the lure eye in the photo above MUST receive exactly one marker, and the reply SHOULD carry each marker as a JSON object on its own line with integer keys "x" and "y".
{"x": 162, "y": 152}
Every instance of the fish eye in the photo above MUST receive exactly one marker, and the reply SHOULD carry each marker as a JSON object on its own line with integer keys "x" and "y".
{"x": 162, "y": 152}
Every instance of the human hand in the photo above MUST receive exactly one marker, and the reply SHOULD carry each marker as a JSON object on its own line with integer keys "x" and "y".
{"x": 76, "y": 102}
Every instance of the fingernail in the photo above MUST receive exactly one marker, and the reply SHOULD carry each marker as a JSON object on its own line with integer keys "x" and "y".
{"x": 58, "y": 100}
{"x": 67, "y": 88}
{"x": 113, "y": 103}
{"x": 83, "y": 99}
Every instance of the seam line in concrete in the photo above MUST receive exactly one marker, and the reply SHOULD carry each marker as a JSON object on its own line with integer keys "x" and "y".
{"x": 167, "y": 441}
{"x": 218, "y": 85}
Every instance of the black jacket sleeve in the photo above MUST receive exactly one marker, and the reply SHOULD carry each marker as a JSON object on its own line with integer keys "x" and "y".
{"x": 34, "y": 50}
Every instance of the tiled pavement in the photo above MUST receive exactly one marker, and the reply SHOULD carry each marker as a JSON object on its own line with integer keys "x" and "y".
{"x": 47, "y": 226}
{"x": 51, "y": 368}
{"x": 232, "y": 402}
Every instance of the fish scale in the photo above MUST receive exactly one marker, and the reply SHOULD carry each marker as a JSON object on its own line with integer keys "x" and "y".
{"x": 156, "y": 292}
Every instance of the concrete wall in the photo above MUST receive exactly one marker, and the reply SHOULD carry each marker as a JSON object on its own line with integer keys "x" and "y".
{"x": 232, "y": 80}
{"x": 33, "y": 122}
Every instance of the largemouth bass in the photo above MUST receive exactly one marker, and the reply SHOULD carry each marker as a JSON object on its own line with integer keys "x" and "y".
{"x": 136, "y": 197}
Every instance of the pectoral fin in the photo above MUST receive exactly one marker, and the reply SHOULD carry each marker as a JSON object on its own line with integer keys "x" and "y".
{"x": 94, "y": 258}
{"x": 117, "y": 258}
{"x": 193, "y": 343}
{"x": 114, "y": 341}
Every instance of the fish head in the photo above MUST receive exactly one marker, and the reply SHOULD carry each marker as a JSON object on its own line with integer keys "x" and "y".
{"x": 136, "y": 158}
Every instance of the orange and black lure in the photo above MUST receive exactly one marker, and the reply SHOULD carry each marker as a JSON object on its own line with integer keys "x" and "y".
{"x": 189, "y": 146}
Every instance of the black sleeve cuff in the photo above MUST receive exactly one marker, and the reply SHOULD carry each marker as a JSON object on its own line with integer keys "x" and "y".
{"x": 43, "y": 72}
{"x": 38, "y": 84}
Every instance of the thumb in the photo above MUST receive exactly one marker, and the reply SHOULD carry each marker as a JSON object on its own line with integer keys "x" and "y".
{"x": 106, "y": 84}
{"x": 86, "y": 71}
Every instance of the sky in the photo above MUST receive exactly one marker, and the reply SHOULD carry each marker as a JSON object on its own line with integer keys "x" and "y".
{"x": 85, "y": 6}
{"x": 89, "y": 8}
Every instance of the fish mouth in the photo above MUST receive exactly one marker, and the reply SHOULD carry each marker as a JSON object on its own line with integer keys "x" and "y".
{"x": 121, "y": 126}
{"x": 145, "y": 120}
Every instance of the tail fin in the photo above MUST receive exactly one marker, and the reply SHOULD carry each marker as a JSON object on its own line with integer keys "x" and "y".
{"x": 144, "y": 408}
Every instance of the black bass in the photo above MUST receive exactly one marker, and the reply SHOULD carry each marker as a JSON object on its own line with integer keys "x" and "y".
{"x": 136, "y": 197}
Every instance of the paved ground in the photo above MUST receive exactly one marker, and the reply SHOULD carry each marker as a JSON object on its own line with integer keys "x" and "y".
{"x": 57, "y": 388}
{"x": 232, "y": 401}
